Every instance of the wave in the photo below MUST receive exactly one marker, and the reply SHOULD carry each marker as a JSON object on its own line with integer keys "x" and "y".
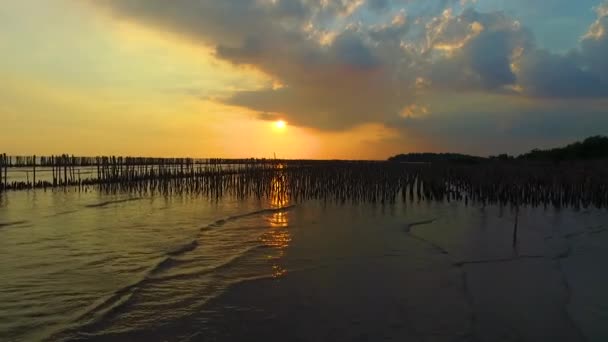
{"x": 170, "y": 262}
{"x": 121, "y": 298}
{"x": 13, "y": 223}
{"x": 107, "y": 203}
{"x": 124, "y": 295}
{"x": 108, "y": 305}
{"x": 62, "y": 213}
{"x": 226, "y": 263}
{"x": 184, "y": 249}
{"x": 164, "y": 265}
{"x": 223, "y": 221}
{"x": 104, "y": 260}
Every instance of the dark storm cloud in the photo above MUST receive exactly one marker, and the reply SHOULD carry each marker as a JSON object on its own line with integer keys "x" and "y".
{"x": 580, "y": 73}
{"x": 489, "y": 57}
{"x": 545, "y": 74}
{"x": 340, "y": 71}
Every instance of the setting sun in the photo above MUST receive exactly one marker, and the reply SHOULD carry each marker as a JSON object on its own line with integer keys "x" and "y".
{"x": 280, "y": 124}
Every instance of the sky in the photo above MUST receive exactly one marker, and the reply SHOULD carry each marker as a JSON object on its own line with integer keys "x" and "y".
{"x": 352, "y": 79}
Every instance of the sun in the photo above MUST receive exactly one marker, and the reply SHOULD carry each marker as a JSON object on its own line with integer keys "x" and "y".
{"x": 280, "y": 124}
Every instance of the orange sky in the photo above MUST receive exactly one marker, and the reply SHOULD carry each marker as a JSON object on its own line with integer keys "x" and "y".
{"x": 84, "y": 83}
{"x": 81, "y": 78}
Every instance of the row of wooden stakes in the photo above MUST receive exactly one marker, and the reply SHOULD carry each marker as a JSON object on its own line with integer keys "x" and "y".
{"x": 578, "y": 184}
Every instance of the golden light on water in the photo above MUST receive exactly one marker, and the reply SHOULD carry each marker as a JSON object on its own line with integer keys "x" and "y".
{"x": 278, "y": 236}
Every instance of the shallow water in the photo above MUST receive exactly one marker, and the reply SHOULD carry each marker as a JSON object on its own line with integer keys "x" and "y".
{"x": 89, "y": 266}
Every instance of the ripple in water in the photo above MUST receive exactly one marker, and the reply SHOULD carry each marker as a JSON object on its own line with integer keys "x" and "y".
{"x": 85, "y": 272}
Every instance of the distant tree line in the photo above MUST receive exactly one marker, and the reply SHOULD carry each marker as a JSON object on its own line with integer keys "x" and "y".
{"x": 592, "y": 148}
{"x": 436, "y": 157}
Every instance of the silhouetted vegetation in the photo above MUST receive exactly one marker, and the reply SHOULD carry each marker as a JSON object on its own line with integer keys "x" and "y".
{"x": 502, "y": 157}
{"x": 591, "y": 148}
{"x": 436, "y": 157}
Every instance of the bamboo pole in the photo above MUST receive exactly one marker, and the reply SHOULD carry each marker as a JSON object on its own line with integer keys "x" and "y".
{"x": 516, "y": 226}
{"x": 65, "y": 169}
{"x": 2, "y": 185}
{"x": 6, "y": 164}
{"x": 34, "y": 170}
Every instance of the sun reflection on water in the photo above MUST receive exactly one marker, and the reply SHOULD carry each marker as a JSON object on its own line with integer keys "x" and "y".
{"x": 278, "y": 236}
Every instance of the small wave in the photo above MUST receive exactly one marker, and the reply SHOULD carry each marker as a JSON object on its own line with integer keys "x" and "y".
{"x": 192, "y": 245}
{"x": 102, "y": 261}
{"x": 165, "y": 264}
{"x": 225, "y": 264}
{"x": 14, "y": 223}
{"x": 223, "y": 221}
{"x": 107, "y": 203}
{"x": 124, "y": 296}
{"x": 62, "y": 213}
{"x": 263, "y": 211}
{"x": 119, "y": 297}
{"x": 183, "y": 249}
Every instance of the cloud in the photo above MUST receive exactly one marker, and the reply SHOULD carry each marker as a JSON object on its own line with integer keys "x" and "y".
{"x": 498, "y": 124}
{"x": 378, "y": 5}
{"x": 580, "y": 73}
{"x": 545, "y": 74}
{"x": 343, "y": 63}
{"x": 594, "y": 47}
{"x": 476, "y": 50}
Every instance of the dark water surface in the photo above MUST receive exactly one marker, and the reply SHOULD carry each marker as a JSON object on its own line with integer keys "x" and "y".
{"x": 89, "y": 266}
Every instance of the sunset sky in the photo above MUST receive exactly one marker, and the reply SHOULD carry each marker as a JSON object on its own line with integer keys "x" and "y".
{"x": 352, "y": 79}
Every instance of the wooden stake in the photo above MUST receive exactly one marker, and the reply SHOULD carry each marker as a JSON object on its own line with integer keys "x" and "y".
{"x": 34, "y": 168}
{"x": 515, "y": 227}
